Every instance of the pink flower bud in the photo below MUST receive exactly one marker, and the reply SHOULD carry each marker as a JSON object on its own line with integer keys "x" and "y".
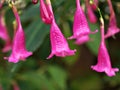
{"x": 46, "y": 12}
{"x": 90, "y": 13}
{"x": 95, "y": 5}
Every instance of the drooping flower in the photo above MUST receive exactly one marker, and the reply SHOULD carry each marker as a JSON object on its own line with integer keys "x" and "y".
{"x": 80, "y": 25}
{"x": 59, "y": 45}
{"x": 19, "y": 51}
{"x": 46, "y": 12}
{"x": 1, "y": 3}
{"x": 82, "y": 40}
{"x": 4, "y": 34}
{"x": 90, "y": 13}
{"x": 58, "y": 42}
{"x": 34, "y": 1}
{"x": 104, "y": 64}
{"x": 112, "y": 29}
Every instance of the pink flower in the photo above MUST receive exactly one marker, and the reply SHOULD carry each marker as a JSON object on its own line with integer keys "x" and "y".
{"x": 18, "y": 49}
{"x": 46, "y": 12}
{"x": 58, "y": 43}
{"x": 80, "y": 25}
{"x": 90, "y": 13}
{"x": 82, "y": 40}
{"x": 1, "y": 3}
{"x": 104, "y": 64}
{"x": 112, "y": 29}
{"x": 4, "y": 34}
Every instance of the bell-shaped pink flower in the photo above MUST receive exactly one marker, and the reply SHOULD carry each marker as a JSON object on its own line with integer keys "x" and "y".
{"x": 46, "y": 12}
{"x": 82, "y": 40}
{"x": 58, "y": 42}
{"x": 90, "y": 13}
{"x": 80, "y": 25}
{"x": 19, "y": 51}
{"x": 4, "y": 34}
{"x": 104, "y": 64}
{"x": 112, "y": 29}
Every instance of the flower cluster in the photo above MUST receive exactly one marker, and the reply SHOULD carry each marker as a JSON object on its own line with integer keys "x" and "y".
{"x": 59, "y": 44}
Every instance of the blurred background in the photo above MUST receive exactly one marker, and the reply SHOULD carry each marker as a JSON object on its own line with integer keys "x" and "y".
{"x": 69, "y": 73}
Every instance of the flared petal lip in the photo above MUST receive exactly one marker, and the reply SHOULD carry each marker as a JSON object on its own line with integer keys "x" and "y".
{"x": 108, "y": 70}
{"x": 109, "y": 34}
{"x": 78, "y": 36}
{"x": 62, "y": 53}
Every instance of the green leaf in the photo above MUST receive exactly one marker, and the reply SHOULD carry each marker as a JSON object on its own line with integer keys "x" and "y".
{"x": 38, "y": 80}
{"x": 35, "y": 34}
{"x": 58, "y": 76}
{"x": 94, "y": 44}
{"x": 30, "y": 13}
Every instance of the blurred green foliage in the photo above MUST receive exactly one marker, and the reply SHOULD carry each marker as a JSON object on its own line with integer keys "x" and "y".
{"x": 69, "y": 73}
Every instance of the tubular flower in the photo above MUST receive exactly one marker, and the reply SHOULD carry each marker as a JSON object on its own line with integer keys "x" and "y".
{"x": 4, "y": 34}
{"x": 19, "y": 51}
{"x": 58, "y": 43}
{"x": 80, "y": 25}
{"x": 90, "y": 13}
{"x": 82, "y": 40}
{"x": 46, "y": 12}
{"x": 112, "y": 29}
{"x": 104, "y": 64}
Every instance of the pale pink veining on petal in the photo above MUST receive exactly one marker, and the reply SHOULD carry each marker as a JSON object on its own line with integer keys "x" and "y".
{"x": 58, "y": 43}
{"x": 19, "y": 51}
{"x": 80, "y": 25}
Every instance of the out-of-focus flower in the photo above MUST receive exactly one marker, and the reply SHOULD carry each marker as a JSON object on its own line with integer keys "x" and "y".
{"x": 46, "y": 12}
{"x": 15, "y": 86}
{"x": 104, "y": 64}
{"x": 58, "y": 42}
{"x": 112, "y": 29}
{"x": 4, "y": 34}
{"x": 34, "y": 1}
{"x": 1, "y": 3}
{"x": 90, "y": 13}
{"x": 80, "y": 25}
{"x": 19, "y": 51}
{"x": 95, "y": 5}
